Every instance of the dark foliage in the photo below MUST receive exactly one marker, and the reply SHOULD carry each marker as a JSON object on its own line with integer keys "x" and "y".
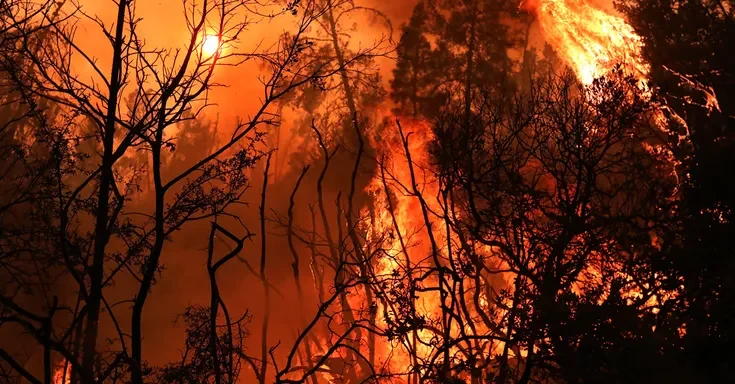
{"x": 519, "y": 227}
{"x": 689, "y": 46}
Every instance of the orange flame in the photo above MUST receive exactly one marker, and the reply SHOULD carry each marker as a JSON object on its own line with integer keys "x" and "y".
{"x": 407, "y": 250}
{"x": 590, "y": 40}
{"x": 62, "y": 375}
{"x": 409, "y": 222}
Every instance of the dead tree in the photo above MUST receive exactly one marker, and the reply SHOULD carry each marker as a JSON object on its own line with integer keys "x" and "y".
{"x": 88, "y": 223}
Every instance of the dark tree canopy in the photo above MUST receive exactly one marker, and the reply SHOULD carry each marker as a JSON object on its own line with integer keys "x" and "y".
{"x": 689, "y": 45}
{"x": 450, "y": 49}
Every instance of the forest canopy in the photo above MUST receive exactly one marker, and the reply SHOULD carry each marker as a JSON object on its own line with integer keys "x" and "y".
{"x": 339, "y": 191}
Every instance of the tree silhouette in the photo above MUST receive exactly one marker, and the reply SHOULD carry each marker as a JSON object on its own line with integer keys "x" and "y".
{"x": 417, "y": 76}
{"x": 686, "y": 43}
{"x": 85, "y": 225}
{"x": 450, "y": 50}
{"x": 518, "y": 227}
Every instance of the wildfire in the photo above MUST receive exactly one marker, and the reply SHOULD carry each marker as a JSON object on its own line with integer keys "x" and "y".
{"x": 62, "y": 375}
{"x": 408, "y": 244}
{"x": 590, "y": 40}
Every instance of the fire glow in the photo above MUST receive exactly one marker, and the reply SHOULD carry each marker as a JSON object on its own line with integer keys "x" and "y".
{"x": 590, "y": 40}
{"x": 62, "y": 374}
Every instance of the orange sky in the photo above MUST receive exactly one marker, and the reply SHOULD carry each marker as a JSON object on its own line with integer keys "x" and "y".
{"x": 163, "y": 25}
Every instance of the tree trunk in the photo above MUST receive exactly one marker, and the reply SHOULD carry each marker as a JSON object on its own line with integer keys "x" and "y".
{"x": 470, "y": 66}
{"x": 339, "y": 55}
{"x": 102, "y": 234}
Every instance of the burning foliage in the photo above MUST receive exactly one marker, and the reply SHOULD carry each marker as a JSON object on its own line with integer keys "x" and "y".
{"x": 543, "y": 202}
{"x": 591, "y": 40}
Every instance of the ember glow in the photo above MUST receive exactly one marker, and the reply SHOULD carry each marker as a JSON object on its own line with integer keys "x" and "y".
{"x": 62, "y": 375}
{"x": 590, "y": 40}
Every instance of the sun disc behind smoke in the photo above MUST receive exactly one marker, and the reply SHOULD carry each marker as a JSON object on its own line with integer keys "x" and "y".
{"x": 210, "y": 45}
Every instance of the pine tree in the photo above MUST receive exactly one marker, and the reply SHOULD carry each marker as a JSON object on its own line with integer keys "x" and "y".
{"x": 417, "y": 76}
{"x": 452, "y": 48}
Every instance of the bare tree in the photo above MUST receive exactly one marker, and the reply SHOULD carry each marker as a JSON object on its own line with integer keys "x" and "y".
{"x": 164, "y": 88}
{"x": 464, "y": 258}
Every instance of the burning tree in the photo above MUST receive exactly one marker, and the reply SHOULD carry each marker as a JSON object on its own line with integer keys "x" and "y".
{"x": 527, "y": 212}
{"x": 521, "y": 226}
